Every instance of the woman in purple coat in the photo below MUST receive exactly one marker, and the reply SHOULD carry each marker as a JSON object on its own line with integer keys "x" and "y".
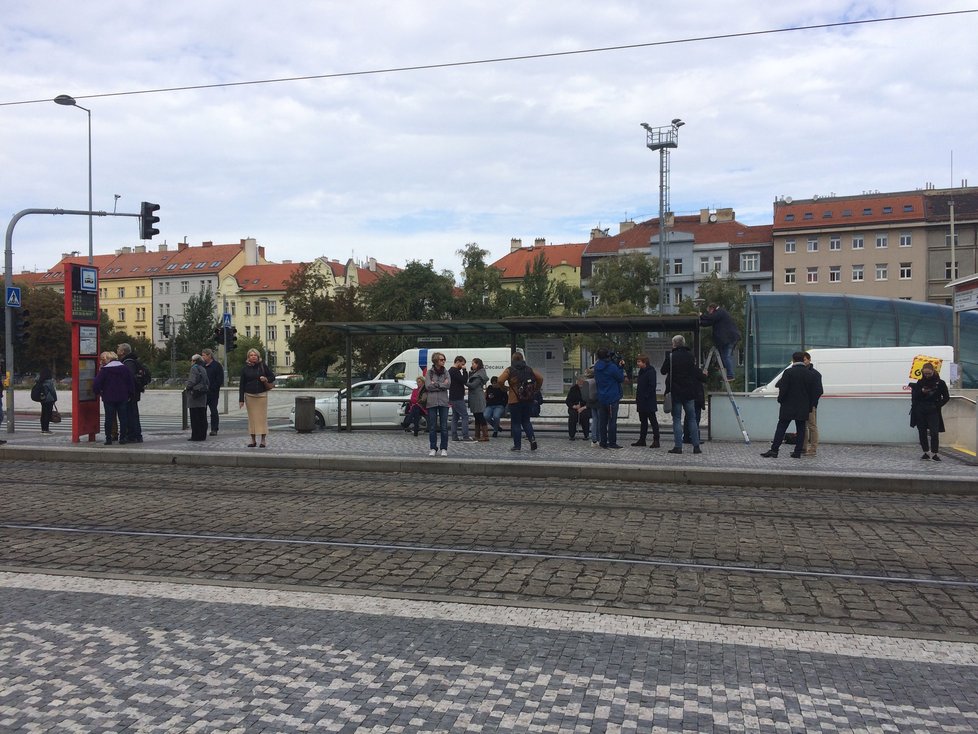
{"x": 114, "y": 384}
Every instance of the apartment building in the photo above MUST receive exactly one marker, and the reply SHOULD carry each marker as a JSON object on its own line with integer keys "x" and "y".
{"x": 893, "y": 245}
{"x": 563, "y": 262}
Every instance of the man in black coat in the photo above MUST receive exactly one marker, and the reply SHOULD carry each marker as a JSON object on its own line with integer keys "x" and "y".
{"x": 811, "y": 427}
{"x": 645, "y": 401}
{"x": 682, "y": 382}
{"x": 215, "y": 378}
{"x": 795, "y": 397}
{"x": 725, "y": 334}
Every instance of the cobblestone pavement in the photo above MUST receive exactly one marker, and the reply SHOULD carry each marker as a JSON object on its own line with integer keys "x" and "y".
{"x": 86, "y": 655}
{"x": 839, "y": 560}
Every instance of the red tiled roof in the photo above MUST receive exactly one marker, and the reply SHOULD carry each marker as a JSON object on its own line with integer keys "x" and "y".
{"x": 267, "y": 277}
{"x": 368, "y": 277}
{"x": 515, "y": 264}
{"x": 849, "y": 210}
{"x": 638, "y": 237}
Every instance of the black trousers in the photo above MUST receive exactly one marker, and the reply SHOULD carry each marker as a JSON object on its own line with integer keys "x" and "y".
{"x": 575, "y": 419}
{"x": 929, "y": 420}
{"x": 644, "y": 420}
{"x": 46, "y": 410}
{"x": 198, "y": 423}
{"x": 212, "y": 400}
{"x": 783, "y": 428}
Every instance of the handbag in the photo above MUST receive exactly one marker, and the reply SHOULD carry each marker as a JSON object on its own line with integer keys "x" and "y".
{"x": 55, "y": 415}
{"x": 268, "y": 385}
{"x": 667, "y": 398}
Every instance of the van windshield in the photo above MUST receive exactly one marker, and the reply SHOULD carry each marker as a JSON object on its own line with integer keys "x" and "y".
{"x": 394, "y": 371}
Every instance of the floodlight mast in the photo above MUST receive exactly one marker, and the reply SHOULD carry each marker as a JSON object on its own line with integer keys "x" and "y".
{"x": 663, "y": 139}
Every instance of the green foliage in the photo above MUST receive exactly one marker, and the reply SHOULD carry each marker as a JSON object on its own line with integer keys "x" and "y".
{"x": 196, "y": 331}
{"x": 50, "y": 336}
{"x": 725, "y": 292}
{"x": 236, "y": 357}
{"x": 538, "y": 295}
{"x": 631, "y": 278}
{"x": 481, "y": 285}
{"x": 416, "y": 293}
{"x": 628, "y": 345}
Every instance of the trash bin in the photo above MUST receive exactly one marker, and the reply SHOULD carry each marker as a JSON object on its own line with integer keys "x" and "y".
{"x": 305, "y": 414}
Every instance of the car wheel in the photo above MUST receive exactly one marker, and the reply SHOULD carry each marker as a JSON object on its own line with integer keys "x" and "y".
{"x": 320, "y": 421}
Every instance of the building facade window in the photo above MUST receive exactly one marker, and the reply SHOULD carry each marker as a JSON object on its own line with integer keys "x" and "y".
{"x": 881, "y": 270}
{"x": 233, "y": 309}
{"x": 906, "y": 239}
{"x": 813, "y": 244}
{"x": 750, "y": 262}
{"x": 247, "y": 308}
{"x": 704, "y": 265}
{"x": 272, "y": 359}
{"x": 140, "y": 314}
{"x": 881, "y": 240}
{"x": 122, "y": 314}
{"x": 789, "y": 276}
{"x": 813, "y": 275}
{"x": 857, "y": 242}
{"x": 161, "y": 287}
{"x": 947, "y": 239}
{"x": 718, "y": 263}
{"x": 835, "y": 242}
{"x": 122, "y": 292}
{"x": 857, "y": 273}
{"x": 906, "y": 271}
{"x": 247, "y": 332}
{"x": 948, "y": 274}
{"x": 271, "y": 308}
{"x": 677, "y": 296}
{"x": 835, "y": 274}
{"x": 288, "y": 331}
{"x": 271, "y": 333}
{"x": 677, "y": 266}
{"x": 789, "y": 246}
{"x": 185, "y": 286}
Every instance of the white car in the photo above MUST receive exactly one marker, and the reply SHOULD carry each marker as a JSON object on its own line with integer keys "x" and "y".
{"x": 376, "y": 403}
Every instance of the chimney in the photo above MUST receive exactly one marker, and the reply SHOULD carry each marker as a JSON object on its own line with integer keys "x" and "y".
{"x": 726, "y": 214}
{"x": 286, "y": 262}
{"x": 261, "y": 253}
{"x": 625, "y": 226}
{"x": 670, "y": 218}
{"x": 597, "y": 233}
{"x": 704, "y": 216}
{"x": 515, "y": 244}
{"x": 162, "y": 247}
{"x": 207, "y": 244}
{"x": 181, "y": 246}
{"x": 372, "y": 264}
{"x": 540, "y": 242}
{"x": 140, "y": 249}
{"x": 124, "y": 251}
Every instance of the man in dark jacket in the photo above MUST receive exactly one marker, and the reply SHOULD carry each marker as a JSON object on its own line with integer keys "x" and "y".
{"x": 456, "y": 398}
{"x": 725, "y": 334}
{"x": 682, "y": 382}
{"x": 645, "y": 401}
{"x": 135, "y": 428}
{"x": 795, "y": 397}
{"x": 811, "y": 426}
{"x": 215, "y": 381}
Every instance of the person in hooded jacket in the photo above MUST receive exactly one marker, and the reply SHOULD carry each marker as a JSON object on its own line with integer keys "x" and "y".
{"x": 519, "y": 411}
{"x": 608, "y": 376}
{"x": 645, "y": 402}
{"x": 115, "y": 385}
{"x": 476, "y": 383}
{"x": 927, "y": 396}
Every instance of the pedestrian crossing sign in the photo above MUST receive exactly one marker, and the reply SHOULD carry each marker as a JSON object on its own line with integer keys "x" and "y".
{"x": 13, "y": 297}
{"x": 226, "y": 321}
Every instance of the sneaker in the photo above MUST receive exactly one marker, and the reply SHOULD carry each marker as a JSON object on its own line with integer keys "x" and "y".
{"x": 444, "y": 452}
{"x": 47, "y": 433}
{"x": 935, "y": 457}
{"x": 925, "y": 457}
{"x": 594, "y": 444}
{"x": 432, "y": 452}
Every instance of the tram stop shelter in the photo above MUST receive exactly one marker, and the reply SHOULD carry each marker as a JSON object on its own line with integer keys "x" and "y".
{"x": 511, "y": 329}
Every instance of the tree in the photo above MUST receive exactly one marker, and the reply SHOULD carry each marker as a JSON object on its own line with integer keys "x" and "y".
{"x": 631, "y": 278}
{"x": 49, "y": 342}
{"x": 725, "y": 292}
{"x": 481, "y": 285}
{"x": 236, "y": 357}
{"x": 539, "y": 295}
{"x": 416, "y": 293}
{"x": 196, "y": 331}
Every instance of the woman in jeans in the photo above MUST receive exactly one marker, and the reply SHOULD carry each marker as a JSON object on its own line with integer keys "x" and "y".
{"x": 496, "y": 399}
{"x": 436, "y": 382}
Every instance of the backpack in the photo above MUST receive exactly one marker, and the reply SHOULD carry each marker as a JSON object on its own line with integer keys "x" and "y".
{"x": 142, "y": 375}
{"x": 526, "y": 386}
{"x": 38, "y": 392}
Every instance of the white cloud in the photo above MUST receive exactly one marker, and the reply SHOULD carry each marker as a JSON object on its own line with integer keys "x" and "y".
{"x": 416, "y": 164}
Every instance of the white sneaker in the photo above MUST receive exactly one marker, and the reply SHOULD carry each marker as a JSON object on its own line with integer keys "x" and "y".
{"x": 432, "y": 452}
{"x": 444, "y": 452}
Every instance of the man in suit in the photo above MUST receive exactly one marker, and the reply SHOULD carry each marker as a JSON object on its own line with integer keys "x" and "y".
{"x": 795, "y": 398}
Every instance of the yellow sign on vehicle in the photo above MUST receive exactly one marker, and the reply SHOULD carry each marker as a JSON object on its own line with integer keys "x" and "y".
{"x": 919, "y": 361}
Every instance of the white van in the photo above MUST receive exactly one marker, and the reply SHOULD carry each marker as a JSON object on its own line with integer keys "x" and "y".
{"x": 871, "y": 370}
{"x": 412, "y": 363}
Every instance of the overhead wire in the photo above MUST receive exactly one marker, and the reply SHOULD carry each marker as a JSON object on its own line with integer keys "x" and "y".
{"x": 507, "y": 59}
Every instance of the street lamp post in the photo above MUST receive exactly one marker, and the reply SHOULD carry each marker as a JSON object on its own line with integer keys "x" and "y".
{"x": 663, "y": 139}
{"x": 69, "y": 101}
{"x": 264, "y": 339}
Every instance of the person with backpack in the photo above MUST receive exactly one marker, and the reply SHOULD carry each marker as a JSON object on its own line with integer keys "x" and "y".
{"x": 45, "y": 393}
{"x": 141, "y": 378}
{"x": 524, "y": 383}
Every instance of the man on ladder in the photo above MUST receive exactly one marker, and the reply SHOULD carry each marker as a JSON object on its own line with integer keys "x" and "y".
{"x": 725, "y": 338}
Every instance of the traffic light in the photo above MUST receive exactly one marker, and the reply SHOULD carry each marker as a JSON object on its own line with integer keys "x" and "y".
{"x": 232, "y": 338}
{"x": 22, "y": 325}
{"x": 147, "y": 220}
{"x": 164, "y": 326}
{"x": 219, "y": 334}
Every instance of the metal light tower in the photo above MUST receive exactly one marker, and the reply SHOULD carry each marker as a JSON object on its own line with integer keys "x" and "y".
{"x": 69, "y": 101}
{"x": 662, "y": 139}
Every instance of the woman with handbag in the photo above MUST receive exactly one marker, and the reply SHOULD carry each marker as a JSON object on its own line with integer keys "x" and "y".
{"x": 49, "y": 396}
{"x": 197, "y": 384}
{"x": 256, "y": 380}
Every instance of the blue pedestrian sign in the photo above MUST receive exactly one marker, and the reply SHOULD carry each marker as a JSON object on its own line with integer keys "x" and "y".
{"x": 13, "y": 297}
{"x": 226, "y": 322}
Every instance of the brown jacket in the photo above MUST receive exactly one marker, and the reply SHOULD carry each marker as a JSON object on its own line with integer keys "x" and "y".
{"x": 504, "y": 380}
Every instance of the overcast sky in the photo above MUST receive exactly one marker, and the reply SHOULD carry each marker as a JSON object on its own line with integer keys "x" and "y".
{"x": 413, "y": 165}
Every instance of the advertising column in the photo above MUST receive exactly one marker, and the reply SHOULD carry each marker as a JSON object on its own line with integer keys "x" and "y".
{"x": 82, "y": 312}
